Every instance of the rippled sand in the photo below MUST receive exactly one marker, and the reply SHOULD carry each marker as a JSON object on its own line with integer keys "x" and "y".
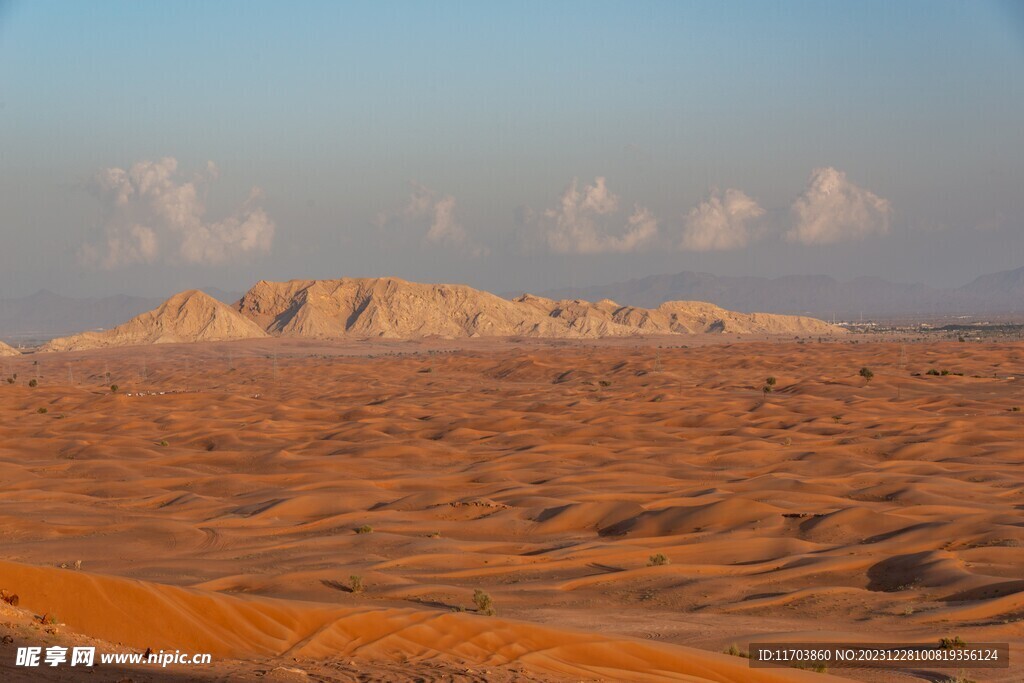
{"x": 546, "y": 474}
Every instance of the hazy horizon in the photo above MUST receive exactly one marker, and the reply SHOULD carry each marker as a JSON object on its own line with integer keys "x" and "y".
{"x": 149, "y": 148}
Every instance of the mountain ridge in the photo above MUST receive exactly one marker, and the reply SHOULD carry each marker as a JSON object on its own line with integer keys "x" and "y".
{"x": 392, "y": 308}
{"x": 816, "y": 295}
{"x": 188, "y": 316}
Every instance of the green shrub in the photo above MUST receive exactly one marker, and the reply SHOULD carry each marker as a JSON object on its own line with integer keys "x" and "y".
{"x": 657, "y": 560}
{"x": 356, "y": 583}
{"x": 113, "y": 388}
{"x": 364, "y": 529}
{"x": 33, "y": 383}
{"x": 866, "y": 374}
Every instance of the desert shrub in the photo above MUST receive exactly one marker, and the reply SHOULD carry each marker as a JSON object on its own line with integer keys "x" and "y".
{"x": 364, "y": 529}
{"x": 770, "y": 381}
{"x": 944, "y": 373}
{"x": 10, "y": 380}
{"x": 736, "y": 652}
{"x": 42, "y": 411}
{"x": 355, "y": 582}
{"x": 657, "y": 560}
{"x": 162, "y": 442}
{"x": 604, "y": 383}
{"x": 1015, "y": 409}
{"x": 113, "y": 388}
{"x": 866, "y": 374}
{"x": 766, "y": 389}
{"x": 948, "y": 643}
{"x": 33, "y": 383}
{"x": 932, "y": 371}
{"x": 837, "y": 418}
{"x": 959, "y": 678}
{"x": 483, "y": 602}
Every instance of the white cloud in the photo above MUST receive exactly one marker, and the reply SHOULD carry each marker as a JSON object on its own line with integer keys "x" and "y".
{"x": 149, "y": 209}
{"x": 436, "y": 214}
{"x": 576, "y": 225}
{"x": 721, "y": 221}
{"x": 833, "y": 209}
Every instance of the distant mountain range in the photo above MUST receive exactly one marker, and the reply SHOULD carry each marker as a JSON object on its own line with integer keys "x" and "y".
{"x": 820, "y": 296}
{"x": 45, "y": 314}
{"x": 390, "y": 308}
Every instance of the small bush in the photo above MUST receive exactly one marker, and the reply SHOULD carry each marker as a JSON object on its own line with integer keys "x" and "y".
{"x": 933, "y": 371}
{"x": 483, "y": 602}
{"x": 162, "y": 442}
{"x": 1015, "y": 409}
{"x": 658, "y": 560}
{"x": 837, "y": 418}
{"x": 604, "y": 383}
{"x": 949, "y": 643}
{"x": 866, "y": 374}
{"x": 355, "y": 582}
{"x": 10, "y": 380}
{"x": 42, "y": 411}
{"x": 736, "y": 652}
{"x": 770, "y": 381}
{"x": 364, "y": 529}
{"x": 33, "y": 383}
{"x": 113, "y": 388}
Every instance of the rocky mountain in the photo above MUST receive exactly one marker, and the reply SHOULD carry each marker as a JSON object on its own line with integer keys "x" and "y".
{"x": 394, "y": 308}
{"x": 44, "y": 314}
{"x": 816, "y": 295}
{"x": 186, "y": 317}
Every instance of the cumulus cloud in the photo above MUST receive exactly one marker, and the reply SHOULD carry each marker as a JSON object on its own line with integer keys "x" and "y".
{"x": 436, "y": 214}
{"x": 721, "y": 221}
{"x": 150, "y": 213}
{"x": 578, "y": 224}
{"x": 833, "y": 209}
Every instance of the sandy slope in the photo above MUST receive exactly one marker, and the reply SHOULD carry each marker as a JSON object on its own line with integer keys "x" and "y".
{"x": 545, "y": 474}
{"x": 7, "y": 350}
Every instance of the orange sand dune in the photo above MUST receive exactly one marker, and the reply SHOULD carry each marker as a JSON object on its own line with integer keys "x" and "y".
{"x": 147, "y": 615}
{"x": 232, "y": 483}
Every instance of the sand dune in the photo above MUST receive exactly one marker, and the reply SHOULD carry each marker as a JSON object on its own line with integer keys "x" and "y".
{"x": 6, "y": 350}
{"x": 145, "y": 615}
{"x": 230, "y": 483}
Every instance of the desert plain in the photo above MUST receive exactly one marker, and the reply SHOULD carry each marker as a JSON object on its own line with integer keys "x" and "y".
{"x": 317, "y": 510}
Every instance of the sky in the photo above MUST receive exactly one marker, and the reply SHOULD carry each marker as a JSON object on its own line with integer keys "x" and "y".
{"x": 148, "y": 147}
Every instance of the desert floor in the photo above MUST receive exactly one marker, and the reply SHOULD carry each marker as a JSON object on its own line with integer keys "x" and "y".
{"x": 215, "y": 503}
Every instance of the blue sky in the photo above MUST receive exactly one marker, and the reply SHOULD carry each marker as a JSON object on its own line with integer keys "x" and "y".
{"x": 436, "y": 141}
